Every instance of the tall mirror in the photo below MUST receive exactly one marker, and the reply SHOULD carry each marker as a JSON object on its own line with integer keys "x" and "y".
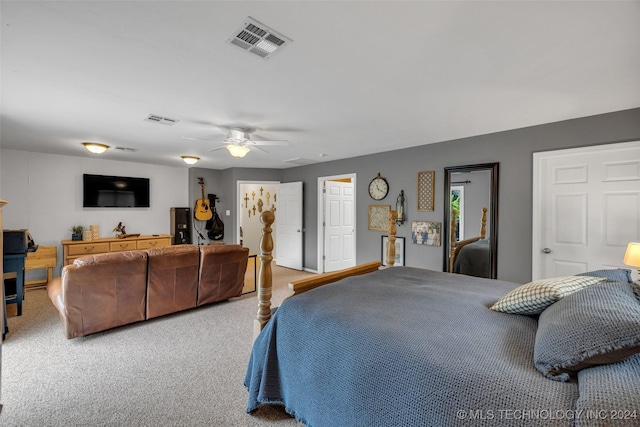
{"x": 470, "y": 229}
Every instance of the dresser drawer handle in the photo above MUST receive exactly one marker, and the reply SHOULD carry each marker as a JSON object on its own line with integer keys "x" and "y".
{"x": 153, "y": 243}
{"x": 89, "y": 248}
{"x": 123, "y": 245}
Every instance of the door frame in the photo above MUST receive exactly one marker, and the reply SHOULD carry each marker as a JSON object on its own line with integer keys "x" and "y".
{"x": 322, "y": 211}
{"x": 536, "y": 220}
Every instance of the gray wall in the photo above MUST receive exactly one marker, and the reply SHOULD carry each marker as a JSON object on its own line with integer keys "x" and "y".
{"x": 513, "y": 149}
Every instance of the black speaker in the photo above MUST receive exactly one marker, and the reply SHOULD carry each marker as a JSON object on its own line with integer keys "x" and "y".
{"x": 181, "y": 225}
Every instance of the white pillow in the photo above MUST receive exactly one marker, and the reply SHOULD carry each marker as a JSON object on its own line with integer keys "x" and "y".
{"x": 534, "y": 297}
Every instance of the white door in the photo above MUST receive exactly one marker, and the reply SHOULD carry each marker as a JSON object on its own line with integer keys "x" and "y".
{"x": 339, "y": 227}
{"x": 289, "y": 225}
{"x": 586, "y": 208}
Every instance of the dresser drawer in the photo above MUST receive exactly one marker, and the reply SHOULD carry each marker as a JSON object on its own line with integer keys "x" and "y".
{"x": 88, "y": 248}
{"x": 123, "y": 246}
{"x": 153, "y": 243}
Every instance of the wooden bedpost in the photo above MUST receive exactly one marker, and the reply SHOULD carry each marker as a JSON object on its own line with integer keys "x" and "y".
{"x": 391, "y": 242}
{"x": 452, "y": 238}
{"x": 483, "y": 222}
{"x": 264, "y": 278}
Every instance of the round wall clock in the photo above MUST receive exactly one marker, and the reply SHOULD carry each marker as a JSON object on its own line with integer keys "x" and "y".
{"x": 378, "y": 188}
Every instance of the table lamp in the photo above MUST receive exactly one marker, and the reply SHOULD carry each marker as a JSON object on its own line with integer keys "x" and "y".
{"x": 632, "y": 256}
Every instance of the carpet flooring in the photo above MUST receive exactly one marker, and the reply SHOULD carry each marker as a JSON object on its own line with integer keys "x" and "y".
{"x": 184, "y": 369}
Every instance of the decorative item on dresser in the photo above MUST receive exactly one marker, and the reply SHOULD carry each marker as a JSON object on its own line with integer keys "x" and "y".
{"x": 72, "y": 249}
{"x": 76, "y": 232}
{"x": 121, "y": 232}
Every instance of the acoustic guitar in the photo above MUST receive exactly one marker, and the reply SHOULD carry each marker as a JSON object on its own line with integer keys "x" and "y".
{"x": 202, "y": 209}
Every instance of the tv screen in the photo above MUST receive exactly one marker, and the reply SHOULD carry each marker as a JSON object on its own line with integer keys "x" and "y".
{"x": 101, "y": 191}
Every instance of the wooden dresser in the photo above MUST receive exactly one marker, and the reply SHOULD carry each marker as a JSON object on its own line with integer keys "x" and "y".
{"x": 73, "y": 249}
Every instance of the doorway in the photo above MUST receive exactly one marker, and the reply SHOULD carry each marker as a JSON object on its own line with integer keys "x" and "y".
{"x": 336, "y": 222}
{"x": 253, "y": 197}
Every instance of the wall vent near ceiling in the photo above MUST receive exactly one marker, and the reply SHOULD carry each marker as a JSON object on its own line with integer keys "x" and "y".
{"x": 299, "y": 161}
{"x": 258, "y": 39}
{"x": 154, "y": 118}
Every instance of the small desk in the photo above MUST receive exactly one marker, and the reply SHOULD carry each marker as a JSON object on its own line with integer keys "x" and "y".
{"x": 15, "y": 263}
{"x": 44, "y": 257}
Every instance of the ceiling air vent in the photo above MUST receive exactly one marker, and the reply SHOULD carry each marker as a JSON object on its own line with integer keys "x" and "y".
{"x": 126, "y": 149}
{"x": 258, "y": 39}
{"x": 154, "y": 118}
{"x": 299, "y": 161}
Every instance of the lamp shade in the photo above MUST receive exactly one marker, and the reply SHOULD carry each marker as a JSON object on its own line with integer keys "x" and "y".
{"x": 95, "y": 147}
{"x": 238, "y": 150}
{"x": 632, "y": 256}
{"x": 190, "y": 160}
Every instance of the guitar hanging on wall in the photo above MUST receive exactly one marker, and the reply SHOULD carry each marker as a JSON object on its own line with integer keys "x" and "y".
{"x": 202, "y": 209}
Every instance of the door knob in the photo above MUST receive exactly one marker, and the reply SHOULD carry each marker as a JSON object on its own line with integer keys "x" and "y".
{"x": 546, "y": 250}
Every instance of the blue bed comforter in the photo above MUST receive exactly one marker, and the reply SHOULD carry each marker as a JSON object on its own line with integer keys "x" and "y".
{"x": 405, "y": 347}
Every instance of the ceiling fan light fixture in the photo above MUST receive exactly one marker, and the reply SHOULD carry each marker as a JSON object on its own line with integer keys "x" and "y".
{"x": 238, "y": 151}
{"x": 95, "y": 147}
{"x": 190, "y": 160}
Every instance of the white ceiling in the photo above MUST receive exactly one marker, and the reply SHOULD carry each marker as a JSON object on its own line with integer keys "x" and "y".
{"x": 360, "y": 77}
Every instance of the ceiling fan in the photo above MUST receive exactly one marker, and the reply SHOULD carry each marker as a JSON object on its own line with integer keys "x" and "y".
{"x": 239, "y": 143}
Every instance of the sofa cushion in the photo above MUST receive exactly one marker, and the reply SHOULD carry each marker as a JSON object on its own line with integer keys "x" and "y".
{"x": 173, "y": 279}
{"x": 100, "y": 292}
{"x": 222, "y": 271}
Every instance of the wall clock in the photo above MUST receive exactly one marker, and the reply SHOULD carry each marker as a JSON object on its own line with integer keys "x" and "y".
{"x": 378, "y": 188}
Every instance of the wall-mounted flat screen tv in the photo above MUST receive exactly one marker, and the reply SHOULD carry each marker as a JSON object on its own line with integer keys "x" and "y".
{"x": 102, "y": 191}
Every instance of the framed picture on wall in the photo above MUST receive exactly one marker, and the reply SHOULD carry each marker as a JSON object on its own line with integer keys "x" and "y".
{"x": 379, "y": 217}
{"x": 426, "y": 182}
{"x": 426, "y": 233}
{"x": 399, "y": 250}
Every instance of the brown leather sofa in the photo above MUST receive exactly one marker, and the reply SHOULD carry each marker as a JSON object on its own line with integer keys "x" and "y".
{"x": 105, "y": 291}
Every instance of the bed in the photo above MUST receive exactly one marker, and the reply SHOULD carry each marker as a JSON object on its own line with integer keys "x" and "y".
{"x": 405, "y": 346}
{"x": 470, "y": 256}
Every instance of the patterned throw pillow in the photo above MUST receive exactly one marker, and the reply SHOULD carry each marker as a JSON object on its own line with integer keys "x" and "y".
{"x": 534, "y": 297}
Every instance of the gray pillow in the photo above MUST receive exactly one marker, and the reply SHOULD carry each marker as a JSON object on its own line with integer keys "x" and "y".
{"x": 594, "y": 326}
{"x": 612, "y": 275}
{"x": 534, "y": 297}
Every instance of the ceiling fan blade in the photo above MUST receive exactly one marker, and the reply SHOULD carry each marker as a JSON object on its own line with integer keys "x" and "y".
{"x": 265, "y": 142}
{"x": 261, "y": 149}
{"x": 203, "y": 139}
{"x": 218, "y": 148}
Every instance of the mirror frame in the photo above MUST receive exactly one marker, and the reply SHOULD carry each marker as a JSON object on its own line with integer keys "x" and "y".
{"x": 493, "y": 212}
